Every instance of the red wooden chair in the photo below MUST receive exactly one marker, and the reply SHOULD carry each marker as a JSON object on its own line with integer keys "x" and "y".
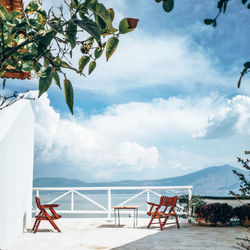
{"x": 44, "y": 215}
{"x": 155, "y": 213}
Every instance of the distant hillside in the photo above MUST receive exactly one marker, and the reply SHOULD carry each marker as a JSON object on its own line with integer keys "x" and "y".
{"x": 209, "y": 181}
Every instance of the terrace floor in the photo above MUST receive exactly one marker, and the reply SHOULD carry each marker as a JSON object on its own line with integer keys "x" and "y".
{"x": 100, "y": 234}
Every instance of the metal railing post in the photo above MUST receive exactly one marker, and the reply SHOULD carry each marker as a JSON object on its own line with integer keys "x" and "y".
{"x": 189, "y": 201}
{"x": 148, "y": 199}
{"x": 72, "y": 200}
{"x": 109, "y": 204}
{"x": 37, "y": 195}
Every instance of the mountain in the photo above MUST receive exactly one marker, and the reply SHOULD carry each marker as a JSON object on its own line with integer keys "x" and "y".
{"x": 214, "y": 181}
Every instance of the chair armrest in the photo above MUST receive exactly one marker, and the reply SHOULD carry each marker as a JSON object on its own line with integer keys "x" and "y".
{"x": 152, "y": 204}
{"x": 50, "y": 205}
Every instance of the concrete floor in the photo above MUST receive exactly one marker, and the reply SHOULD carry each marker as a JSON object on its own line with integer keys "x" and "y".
{"x": 99, "y": 234}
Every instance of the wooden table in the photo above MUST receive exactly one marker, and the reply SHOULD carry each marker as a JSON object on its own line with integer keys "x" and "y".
{"x": 118, "y": 208}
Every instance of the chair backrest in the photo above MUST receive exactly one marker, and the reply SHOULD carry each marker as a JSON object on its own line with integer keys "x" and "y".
{"x": 168, "y": 201}
{"x": 38, "y": 203}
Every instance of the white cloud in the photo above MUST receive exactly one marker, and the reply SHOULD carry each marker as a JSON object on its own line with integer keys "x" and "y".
{"x": 145, "y": 60}
{"x": 142, "y": 140}
{"x": 128, "y": 139}
{"x": 132, "y": 154}
{"x": 60, "y": 140}
{"x": 231, "y": 119}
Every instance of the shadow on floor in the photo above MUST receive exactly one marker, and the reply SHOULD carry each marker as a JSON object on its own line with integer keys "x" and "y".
{"x": 187, "y": 237}
{"x": 110, "y": 226}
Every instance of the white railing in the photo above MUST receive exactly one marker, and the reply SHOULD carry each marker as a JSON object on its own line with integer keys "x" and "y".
{"x": 148, "y": 190}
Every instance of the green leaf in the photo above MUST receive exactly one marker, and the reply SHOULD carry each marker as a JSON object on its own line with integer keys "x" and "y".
{"x": 45, "y": 80}
{"x": 92, "y": 66}
{"x": 74, "y": 4}
{"x": 101, "y": 23}
{"x": 127, "y": 24}
{"x": 247, "y": 65}
{"x": 111, "y": 46}
{"x": 71, "y": 32}
{"x": 38, "y": 67}
{"x": 225, "y": 7}
{"x": 91, "y": 4}
{"x": 10, "y": 38}
{"x": 69, "y": 94}
{"x": 56, "y": 78}
{"x": 112, "y": 14}
{"x": 28, "y": 56}
{"x": 41, "y": 17}
{"x": 3, "y": 13}
{"x": 208, "y": 21}
{"x": 31, "y": 7}
{"x": 123, "y": 26}
{"x": 56, "y": 26}
{"x": 14, "y": 14}
{"x": 168, "y": 5}
{"x": 83, "y": 62}
{"x": 220, "y": 4}
{"x": 27, "y": 66}
{"x": 44, "y": 41}
{"x": 104, "y": 14}
{"x": 239, "y": 82}
{"x": 90, "y": 26}
{"x": 65, "y": 65}
{"x": 98, "y": 52}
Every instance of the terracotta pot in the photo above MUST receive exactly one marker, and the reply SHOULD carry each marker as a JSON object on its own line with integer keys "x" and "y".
{"x": 202, "y": 222}
{"x": 16, "y": 5}
{"x": 10, "y": 5}
{"x": 245, "y": 222}
{"x": 16, "y": 75}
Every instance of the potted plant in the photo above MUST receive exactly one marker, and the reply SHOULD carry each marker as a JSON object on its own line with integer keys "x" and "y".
{"x": 243, "y": 213}
{"x": 195, "y": 202}
{"x": 214, "y": 214}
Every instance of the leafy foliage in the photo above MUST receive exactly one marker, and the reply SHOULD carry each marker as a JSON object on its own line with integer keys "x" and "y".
{"x": 43, "y": 42}
{"x": 168, "y": 6}
{"x": 242, "y": 211}
{"x": 195, "y": 203}
{"x": 215, "y": 212}
{"x": 245, "y": 183}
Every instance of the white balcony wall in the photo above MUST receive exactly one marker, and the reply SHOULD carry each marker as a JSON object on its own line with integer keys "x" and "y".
{"x": 16, "y": 170}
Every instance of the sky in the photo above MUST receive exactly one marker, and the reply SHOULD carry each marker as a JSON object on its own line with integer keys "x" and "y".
{"x": 166, "y": 104}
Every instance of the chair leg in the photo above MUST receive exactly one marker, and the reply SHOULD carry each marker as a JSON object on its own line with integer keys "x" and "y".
{"x": 159, "y": 218}
{"x": 37, "y": 225}
{"x": 52, "y": 222}
{"x": 152, "y": 218}
{"x": 37, "y": 218}
{"x": 165, "y": 221}
{"x": 177, "y": 222}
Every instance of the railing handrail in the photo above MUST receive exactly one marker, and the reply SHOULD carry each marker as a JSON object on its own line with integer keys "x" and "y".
{"x": 113, "y": 188}
{"x": 108, "y": 210}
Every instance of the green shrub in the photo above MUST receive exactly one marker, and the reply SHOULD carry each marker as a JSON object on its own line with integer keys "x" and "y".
{"x": 215, "y": 212}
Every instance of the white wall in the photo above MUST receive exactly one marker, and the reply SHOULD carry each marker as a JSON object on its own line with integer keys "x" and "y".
{"x": 16, "y": 170}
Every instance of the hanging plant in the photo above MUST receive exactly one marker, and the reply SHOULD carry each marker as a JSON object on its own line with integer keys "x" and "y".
{"x": 14, "y": 69}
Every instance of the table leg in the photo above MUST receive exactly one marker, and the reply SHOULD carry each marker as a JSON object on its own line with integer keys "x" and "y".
{"x": 118, "y": 217}
{"x": 115, "y": 215}
{"x": 134, "y": 218}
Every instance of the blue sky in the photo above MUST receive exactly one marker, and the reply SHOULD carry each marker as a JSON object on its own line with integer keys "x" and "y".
{"x": 166, "y": 103}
